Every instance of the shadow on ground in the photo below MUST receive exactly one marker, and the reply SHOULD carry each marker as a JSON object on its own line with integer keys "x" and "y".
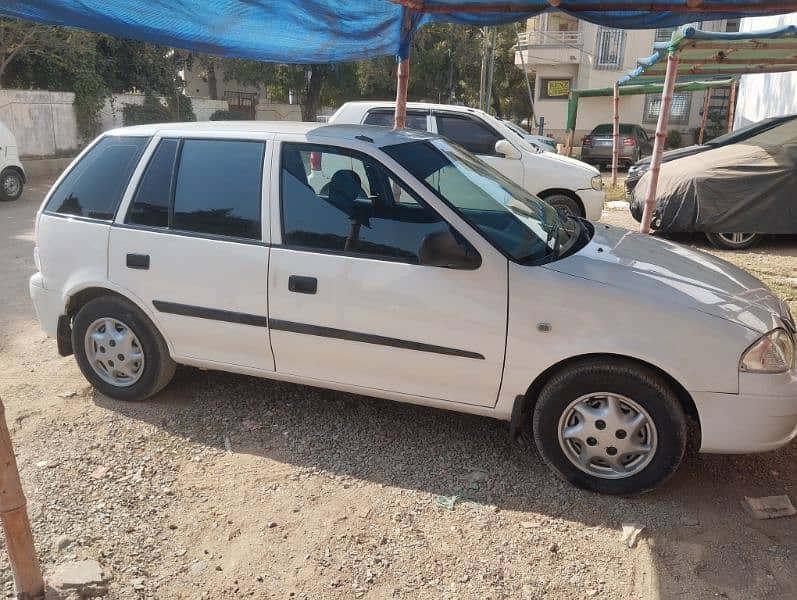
{"x": 703, "y": 543}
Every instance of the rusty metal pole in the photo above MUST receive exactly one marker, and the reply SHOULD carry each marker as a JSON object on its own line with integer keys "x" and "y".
{"x": 616, "y": 132}
{"x": 661, "y": 139}
{"x": 732, "y": 105}
{"x": 403, "y": 76}
{"x": 706, "y": 102}
{"x": 13, "y": 512}
{"x": 402, "y": 79}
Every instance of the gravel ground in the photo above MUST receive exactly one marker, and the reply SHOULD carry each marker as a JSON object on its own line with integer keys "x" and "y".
{"x": 226, "y": 486}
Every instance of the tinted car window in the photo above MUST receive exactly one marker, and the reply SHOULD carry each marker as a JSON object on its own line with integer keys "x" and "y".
{"x": 218, "y": 188}
{"x": 415, "y": 120}
{"x": 339, "y": 215}
{"x": 95, "y": 186}
{"x": 472, "y": 135}
{"x": 151, "y": 202}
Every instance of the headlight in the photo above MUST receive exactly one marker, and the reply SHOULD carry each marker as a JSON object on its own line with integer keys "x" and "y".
{"x": 597, "y": 183}
{"x": 635, "y": 171}
{"x": 772, "y": 353}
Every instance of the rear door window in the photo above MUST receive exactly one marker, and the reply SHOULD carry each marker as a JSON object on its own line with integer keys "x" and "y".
{"x": 218, "y": 188}
{"x": 471, "y": 134}
{"x": 415, "y": 119}
{"x": 151, "y": 202}
{"x": 94, "y": 187}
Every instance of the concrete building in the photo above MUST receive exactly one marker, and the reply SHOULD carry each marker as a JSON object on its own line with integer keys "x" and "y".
{"x": 766, "y": 94}
{"x": 561, "y": 52}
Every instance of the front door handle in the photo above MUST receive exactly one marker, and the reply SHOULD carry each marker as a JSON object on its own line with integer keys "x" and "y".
{"x": 302, "y": 285}
{"x": 138, "y": 261}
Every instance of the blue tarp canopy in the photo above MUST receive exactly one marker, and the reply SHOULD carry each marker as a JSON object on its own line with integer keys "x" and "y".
{"x": 321, "y": 31}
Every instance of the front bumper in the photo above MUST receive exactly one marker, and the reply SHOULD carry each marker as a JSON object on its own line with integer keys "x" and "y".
{"x": 48, "y": 304}
{"x": 593, "y": 201}
{"x": 761, "y": 417}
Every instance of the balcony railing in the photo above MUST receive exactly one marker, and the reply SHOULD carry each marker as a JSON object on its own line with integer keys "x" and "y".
{"x": 531, "y": 39}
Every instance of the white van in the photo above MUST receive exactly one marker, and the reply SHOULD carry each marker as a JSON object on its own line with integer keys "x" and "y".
{"x": 12, "y": 175}
{"x": 565, "y": 183}
{"x": 431, "y": 279}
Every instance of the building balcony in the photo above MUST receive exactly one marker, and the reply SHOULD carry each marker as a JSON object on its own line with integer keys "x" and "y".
{"x": 549, "y": 48}
{"x": 549, "y": 39}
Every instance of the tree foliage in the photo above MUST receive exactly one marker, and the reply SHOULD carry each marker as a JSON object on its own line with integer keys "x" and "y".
{"x": 445, "y": 67}
{"x": 91, "y": 65}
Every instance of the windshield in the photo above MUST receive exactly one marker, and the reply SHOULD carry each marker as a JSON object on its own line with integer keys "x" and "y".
{"x": 520, "y": 224}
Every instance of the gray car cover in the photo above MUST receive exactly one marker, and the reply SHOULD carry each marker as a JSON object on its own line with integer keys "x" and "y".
{"x": 748, "y": 187}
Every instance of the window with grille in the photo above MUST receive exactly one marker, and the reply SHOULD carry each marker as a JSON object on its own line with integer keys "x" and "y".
{"x": 664, "y": 34}
{"x": 679, "y": 113}
{"x": 610, "y": 46}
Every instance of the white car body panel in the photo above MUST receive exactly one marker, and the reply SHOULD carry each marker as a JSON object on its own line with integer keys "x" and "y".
{"x": 9, "y": 151}
{"x": 538, "y": 172}
{"x": 687, "y": 314}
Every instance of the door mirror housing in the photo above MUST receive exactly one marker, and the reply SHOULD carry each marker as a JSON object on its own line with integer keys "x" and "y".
{"x": 507, "y": 149}
{"x": 441, "y": 249}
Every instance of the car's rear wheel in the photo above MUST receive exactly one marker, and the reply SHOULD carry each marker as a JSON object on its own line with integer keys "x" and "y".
{"x": 11, "y": 184}
{"x": 613, "y": 427}
{"x": 734, "y": 241}
{"x": 564, "y": 203}
{"x": 119, "y": 350}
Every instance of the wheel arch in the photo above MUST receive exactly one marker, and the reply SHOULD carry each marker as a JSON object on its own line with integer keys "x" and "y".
{"x": 19, "y": 170}
{"x": 78, "y": 298}
{"x": 569, "y": 193}
{"x": 532, "y": 393}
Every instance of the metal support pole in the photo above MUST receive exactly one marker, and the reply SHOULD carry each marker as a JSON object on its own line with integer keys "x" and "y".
{"x": 661, "y": 138}
{"x": 706, "y": 103}
{"x": 526, "y": 77}
{"x": 488, "y": 100}
{"x": 616, "y": 131}
{"x": 13, "y": 512}
{"x": 732, "y": 105}
{"x": 402, "y": 78}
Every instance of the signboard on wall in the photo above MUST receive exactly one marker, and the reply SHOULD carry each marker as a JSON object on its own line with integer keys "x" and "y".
{"x": 554, "y": 89}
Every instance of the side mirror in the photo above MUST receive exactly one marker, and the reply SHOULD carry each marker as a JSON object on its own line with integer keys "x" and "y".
{"x": 441, "y": 249}
{"x": 507, "y": 149}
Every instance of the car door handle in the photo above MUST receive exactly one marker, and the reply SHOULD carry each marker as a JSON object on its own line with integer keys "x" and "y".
{"x": 302, "y": 285}
{"x": 138, "y": 261}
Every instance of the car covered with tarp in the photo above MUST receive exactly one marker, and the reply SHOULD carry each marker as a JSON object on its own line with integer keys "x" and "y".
{"x": 733, "y": 194}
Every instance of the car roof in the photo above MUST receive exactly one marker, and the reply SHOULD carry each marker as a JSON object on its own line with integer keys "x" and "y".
{"x": 319, "y": 132}
{"x": 370, "y": 104}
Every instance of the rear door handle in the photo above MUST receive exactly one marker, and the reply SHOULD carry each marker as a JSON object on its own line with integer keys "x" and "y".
{"x": 138, "y": 261}
{"x": 302, "y": 285}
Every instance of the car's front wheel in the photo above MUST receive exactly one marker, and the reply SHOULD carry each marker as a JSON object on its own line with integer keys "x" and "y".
{"x": 734, "y": 241}
{"x": 564, "y": 203}
{"x": 610, "y": 426}
{"x": 11, "y": 184}
{"x": 119, "y": 350}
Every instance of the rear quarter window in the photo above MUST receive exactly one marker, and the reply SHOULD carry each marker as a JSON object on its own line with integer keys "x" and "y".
{"x": 94, "y": 187}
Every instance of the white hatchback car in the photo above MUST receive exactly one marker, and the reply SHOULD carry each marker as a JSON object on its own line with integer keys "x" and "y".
{"x": 12, "y": 175}
{"x": 432, "y": 280}
{"x": 565, "y": 183}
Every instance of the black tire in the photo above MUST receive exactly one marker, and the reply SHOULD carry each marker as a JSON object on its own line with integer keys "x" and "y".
{"x": 158, "y": 365}
{"x": 565, "y": 203}
{"x": 11, "y": 185}
{"x": 721, "y": 240}
{"x": 624, "y": 378}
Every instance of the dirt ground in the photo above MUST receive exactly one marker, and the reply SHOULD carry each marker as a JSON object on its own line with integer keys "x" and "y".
{"x": 225, "y": 486}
